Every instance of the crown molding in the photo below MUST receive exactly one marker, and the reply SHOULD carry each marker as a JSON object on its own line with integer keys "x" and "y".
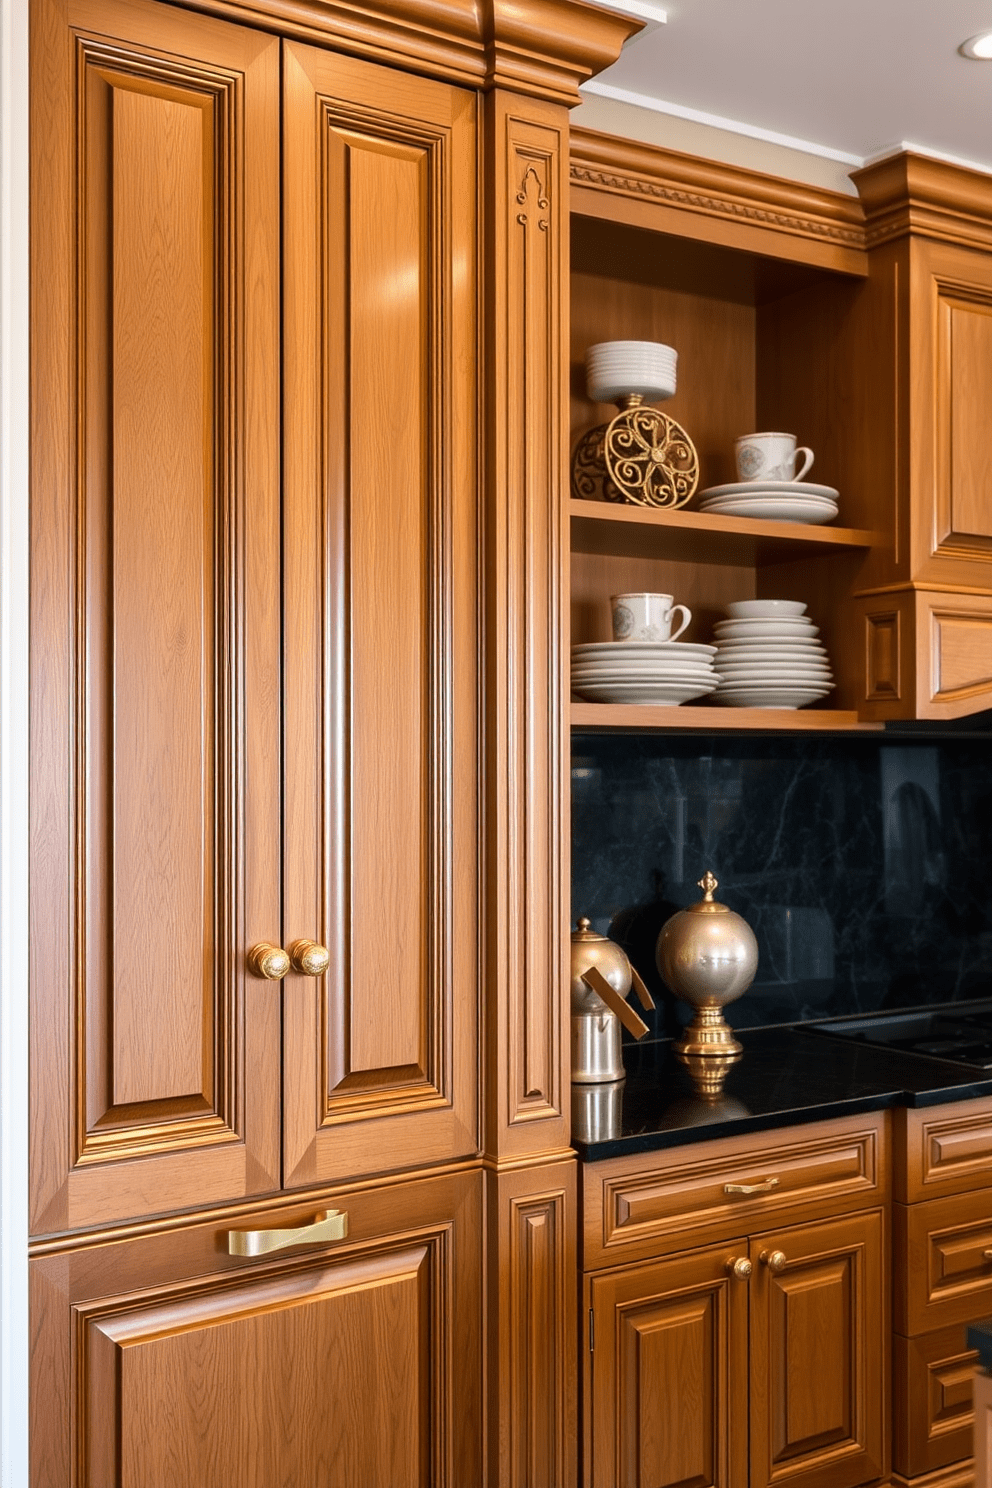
{"x": 602, "y": 163}
{"x": 544, "y": 48}
{"x": 919, "y": 194}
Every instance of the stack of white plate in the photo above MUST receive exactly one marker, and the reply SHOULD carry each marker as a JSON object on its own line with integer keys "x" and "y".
{"x": 661, "y": 672}
{"x": 768, "y": 656}
{"x": 775, "y": 501}
{"x": 616, "y": 368}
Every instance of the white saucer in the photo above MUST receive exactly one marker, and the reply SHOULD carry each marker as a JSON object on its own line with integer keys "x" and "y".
{"x": 761, "y": 630}
{"x": 662, "y": 694}
{"x": 758, "y": 656}
{"x": 770, "y": 488}
{"x": 768, "y": 696}
{"x": 682, "y": 677}
{"x": 770, "y": 509}
{"x": 787, "y": 675}
{"x": 603, "y": 649}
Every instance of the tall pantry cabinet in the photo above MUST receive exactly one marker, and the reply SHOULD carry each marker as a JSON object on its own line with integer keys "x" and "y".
{"x": 302, "y": 1204}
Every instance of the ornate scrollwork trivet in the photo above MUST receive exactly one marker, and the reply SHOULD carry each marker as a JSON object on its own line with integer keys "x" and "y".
{"x": 642, "y": 456}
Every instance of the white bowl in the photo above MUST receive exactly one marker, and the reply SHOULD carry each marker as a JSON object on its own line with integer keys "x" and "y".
{"x": 609, "y": 387}
{"x": 615, "y": 369}
{"x": 755, "y": 609}
{"x": 630, "y": 348}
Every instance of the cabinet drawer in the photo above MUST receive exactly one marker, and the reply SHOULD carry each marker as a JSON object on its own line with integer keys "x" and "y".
{"x": 942, "y": 1150}
{"x": 643, "y": 1206}
{"x": 932, "y": 1409}
{"x": 943, "y": 1262}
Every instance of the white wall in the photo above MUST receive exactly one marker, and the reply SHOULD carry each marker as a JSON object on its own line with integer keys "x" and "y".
{"x": 13, "y": 739}
{"x": 613, "y": 116}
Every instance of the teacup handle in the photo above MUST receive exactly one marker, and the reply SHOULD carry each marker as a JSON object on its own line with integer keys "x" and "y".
{"x": 803, "y": 449}
{"x": 687, "y": 614}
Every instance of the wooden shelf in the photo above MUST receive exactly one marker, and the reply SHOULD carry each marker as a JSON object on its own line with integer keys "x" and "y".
{"x": 607, "y": 717}
{"x": 696, "y": 537}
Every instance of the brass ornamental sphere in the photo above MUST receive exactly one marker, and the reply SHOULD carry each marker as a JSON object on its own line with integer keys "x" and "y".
{"x": 707, "y": 954}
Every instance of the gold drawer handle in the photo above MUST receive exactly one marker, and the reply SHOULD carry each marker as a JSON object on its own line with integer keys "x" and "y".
{"x": 987, "y": 1254}
{"x": 332, "y": 1224}
{"x": 739, "y": 1268}
{"x": 775, "y": 1260}
{"x": 764, "y": 1185}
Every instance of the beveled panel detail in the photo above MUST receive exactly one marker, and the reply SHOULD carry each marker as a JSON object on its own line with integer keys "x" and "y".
{"x": 932, "y": 1387}
{"x": 381, "y": 624}
{"x": 157, "y": 561}
{"x": 157, "y": 1376}
{"x": 527, "y": 195}
{"x": 964, "y": 457}
{"x": 882, "y": 647}
{"x": 154, "y": 608}
{"x": 961, "y": 651}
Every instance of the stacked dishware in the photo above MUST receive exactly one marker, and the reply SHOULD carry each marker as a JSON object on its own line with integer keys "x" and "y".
{"x": 644, "y": 663}
{"x": 623, "y": 369}
{"x": 769, "y": 486}
{"x": 768, "y": 656}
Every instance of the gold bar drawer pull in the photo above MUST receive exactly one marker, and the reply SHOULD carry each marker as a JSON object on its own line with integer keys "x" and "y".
{"x": 331, "y": 1225}
{"x": 763, "y": 1185}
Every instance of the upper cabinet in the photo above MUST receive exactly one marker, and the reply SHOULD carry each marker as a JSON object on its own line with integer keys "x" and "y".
{"x": 864, "y": 326}
{"x": 255, "y": 623}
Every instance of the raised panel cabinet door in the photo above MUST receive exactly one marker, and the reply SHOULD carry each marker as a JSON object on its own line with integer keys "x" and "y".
{"x": 155, "y": 609}
{"x": 666, "y": 1374}
{"x": 381, "y": 627}
{"x": 819, "y": 1350}
{"x": 164, "y": 1360}
{"x": 951, "y": 462}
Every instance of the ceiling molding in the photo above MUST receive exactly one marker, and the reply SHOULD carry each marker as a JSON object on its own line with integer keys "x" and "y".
{"x": 724, "y": 193}
{"x": 717, "y": 121}
{"x": 926, "y": 196}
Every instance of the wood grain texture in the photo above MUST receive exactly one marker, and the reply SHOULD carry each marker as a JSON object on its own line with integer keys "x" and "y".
{"x": 983, "y": 1429}
{"x": 525, "y": 544}
{"x": 381, "y": 625}
{"x": 185, "y": 1377}
{"x": 941, "y": 1150}
{"x": 606, "y": 717}
{"x": 943, "y": 1274}
{"x": 932, "y": 1412}
{"x": 819, "y": 1355}
{"x": 532, "y": 1327}
{"x": 908, "y": 193}
{"x": 154, "y": 628}
{"x": 641, "y": 1206}
{"x": 666, "y": 1364}
{"x": 674, "y": 193}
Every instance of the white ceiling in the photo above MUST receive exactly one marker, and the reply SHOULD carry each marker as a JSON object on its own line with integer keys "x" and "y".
{"x": 847, "y": 80}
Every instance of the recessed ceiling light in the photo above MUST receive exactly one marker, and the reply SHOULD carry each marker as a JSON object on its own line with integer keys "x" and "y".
{"x": 978, "y": 48}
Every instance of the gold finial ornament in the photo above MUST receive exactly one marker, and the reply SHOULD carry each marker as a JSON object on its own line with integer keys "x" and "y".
{"x": 708, "y": 956}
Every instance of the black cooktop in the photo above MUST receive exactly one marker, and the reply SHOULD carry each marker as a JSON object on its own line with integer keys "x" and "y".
{"x": 962, "y": 1035}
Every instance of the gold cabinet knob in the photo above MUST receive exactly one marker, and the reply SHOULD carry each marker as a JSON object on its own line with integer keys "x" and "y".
{"x": 309, "y": 958}
{"x": 268, "y": 961}
{"x": 775, "y": 1260}
{"x": 739, "y": 1267}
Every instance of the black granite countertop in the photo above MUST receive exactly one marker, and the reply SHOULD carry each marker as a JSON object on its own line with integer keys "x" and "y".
{"x": 787, "y": 1076}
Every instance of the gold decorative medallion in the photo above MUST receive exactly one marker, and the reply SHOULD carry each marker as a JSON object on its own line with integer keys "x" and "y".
{"x": 642, "y": 457}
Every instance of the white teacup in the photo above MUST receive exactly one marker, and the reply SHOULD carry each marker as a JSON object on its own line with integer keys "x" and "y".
{"x": 646, "y": 617}
{"x": 771, "y": 457}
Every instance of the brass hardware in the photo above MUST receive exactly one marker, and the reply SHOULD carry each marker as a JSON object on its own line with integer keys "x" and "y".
{"x": 775, "y": 1260}
{"x": 764, "y": 1185}
{"x": 268, "y": 961}
{"x": 642, "y": 456}
{"x": 739, "y": 1267}
{"x": 631, "y": 1020}
{"x": 309, "y": 958}
{"x": 987, "y": 1255}
{"x": 330, "y": 1224}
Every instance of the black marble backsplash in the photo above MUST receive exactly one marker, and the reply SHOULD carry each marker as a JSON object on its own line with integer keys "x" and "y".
{"x": 863, "y": 865}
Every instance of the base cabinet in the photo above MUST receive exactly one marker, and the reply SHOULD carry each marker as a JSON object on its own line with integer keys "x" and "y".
{"x": 754, "y": 1362}
{"x": 163, "y": 1359}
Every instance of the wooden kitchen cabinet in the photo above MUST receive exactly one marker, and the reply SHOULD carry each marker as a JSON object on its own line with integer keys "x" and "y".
{"x": 341, "y": 1364}
{"x": 737, "y": 1311}
{"x": 699, "y": 1374}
